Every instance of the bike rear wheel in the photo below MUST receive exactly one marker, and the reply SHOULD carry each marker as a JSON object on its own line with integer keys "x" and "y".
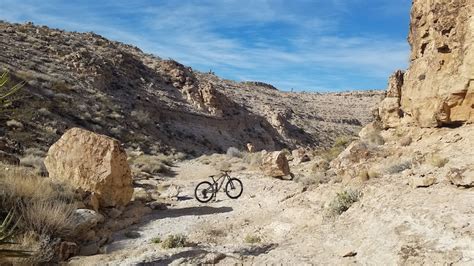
{"x": 234, "y": 188}
{"x": 204, "y": 192}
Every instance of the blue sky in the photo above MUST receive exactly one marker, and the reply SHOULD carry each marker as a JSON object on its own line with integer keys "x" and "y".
{"x": 307, "y": 45}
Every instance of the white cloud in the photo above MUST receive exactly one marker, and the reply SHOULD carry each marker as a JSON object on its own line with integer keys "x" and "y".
{"x": 283, "y": 39}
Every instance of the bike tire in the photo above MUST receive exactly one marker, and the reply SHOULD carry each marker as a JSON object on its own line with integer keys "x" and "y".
{"x": 234, "y": 183}
{"x": 205, "y": 186}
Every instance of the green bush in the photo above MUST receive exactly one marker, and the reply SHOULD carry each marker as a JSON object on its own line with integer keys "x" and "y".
{"x": 252, "y": 239}
{"x": 343, "y": 201}
{"x": 174, "y": 241}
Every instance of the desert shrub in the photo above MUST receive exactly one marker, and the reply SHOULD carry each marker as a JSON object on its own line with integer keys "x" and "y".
{"x": 339, "y": 146}
{"x": 60, "y": 85}
{"x": 343, "y": 201}
{"x": 319, "y": 165}
{"x": 53, "y": 218}
{"x": 375, "y": 138}
{"x": 174, "y": 241}
{"x": 141, "y": 116}
{"x": 342, "y": 141}
{"x": 437, "y": 161}
{"x": 253, "y": 159}
{"x": 34, "y": 158}
{"x": 398, "y": 167}
{"x": 40, "y": 205}
{"x": 234, "y": 152}
{"x": 313, "y": 179}
{"x": 373, "y": 173}
{"x": 152, "y": 164}
{"x": 252, "y": 239}
{"x": 156, "y": 240}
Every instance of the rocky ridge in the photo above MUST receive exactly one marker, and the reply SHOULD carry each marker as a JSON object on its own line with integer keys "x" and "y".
{"x": 156, "y": 105}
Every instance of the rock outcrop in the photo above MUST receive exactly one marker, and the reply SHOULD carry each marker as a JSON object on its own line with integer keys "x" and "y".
{"x": 438, "y": 87}
{"x": 94, "y": 163}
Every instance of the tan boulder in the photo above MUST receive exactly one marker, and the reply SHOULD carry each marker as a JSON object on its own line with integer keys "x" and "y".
{"x": 250, "y": 147}
{"x": 275, "y": 164}
{"x": 461, "y": 177}
{"x": 390, "y": 112}
{"x": 300, "y": 156}
{"x": 424, "y": 181}
{"x": 94, "y": 163}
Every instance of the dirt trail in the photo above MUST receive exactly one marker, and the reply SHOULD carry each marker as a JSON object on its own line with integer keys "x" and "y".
{"x": 391, "y": 224}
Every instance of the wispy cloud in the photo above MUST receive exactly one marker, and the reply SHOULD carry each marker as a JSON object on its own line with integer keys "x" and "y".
{"x": 293, "y": 44}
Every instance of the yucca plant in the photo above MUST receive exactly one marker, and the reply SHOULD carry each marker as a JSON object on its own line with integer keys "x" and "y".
{"x": 5, "y": 93}
{"x": 6, "y": 234}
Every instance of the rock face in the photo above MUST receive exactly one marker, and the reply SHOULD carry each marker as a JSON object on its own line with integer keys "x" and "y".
{"x": 94, "y": 163}
{"x": 275, "y": 164}
{"x": 438, "y": 88}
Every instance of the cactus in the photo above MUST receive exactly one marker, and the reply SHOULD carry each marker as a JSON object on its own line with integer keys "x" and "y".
{"x": 6, "y": 233}
{"x": 6, "y": 94}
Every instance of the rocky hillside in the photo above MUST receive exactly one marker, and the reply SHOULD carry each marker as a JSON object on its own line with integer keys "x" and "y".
{"x": 84, "y": 80}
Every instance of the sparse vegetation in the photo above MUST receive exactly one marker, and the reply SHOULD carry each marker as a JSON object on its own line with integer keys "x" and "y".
{"x": 141, "y": 116}
{"x": 437, "y": 161}
{"x": 254, "y": 160}
{"x": 234, "y": 152}
{"x": 156, "y": 240}
{"x": 252, "y": 239}
{"x": 174, "y": 241}
{"x": 343, "y": 201}
{"x": 339, "y": 145}
{"x": 152, "y": 164}
{"x": 398, "y": 167}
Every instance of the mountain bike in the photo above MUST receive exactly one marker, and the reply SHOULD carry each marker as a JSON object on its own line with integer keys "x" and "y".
{"x": 205, "y": 190}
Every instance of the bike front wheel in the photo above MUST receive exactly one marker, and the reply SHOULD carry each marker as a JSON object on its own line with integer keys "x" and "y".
{"x": 234, "y": 188}
{"x": 204, "y": 192}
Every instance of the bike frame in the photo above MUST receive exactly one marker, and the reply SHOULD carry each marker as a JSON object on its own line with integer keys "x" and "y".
{"x": 224, "y": 177}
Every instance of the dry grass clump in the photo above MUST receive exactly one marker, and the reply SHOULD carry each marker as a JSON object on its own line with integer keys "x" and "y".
{"x": 339, "y": 146}
{"x": 398, "y": 167}
{"x": 437, "y": 161}
{"x": 152, "y": 164}
{"x": 252, "y": 239}
{"x": 343, "y": 201}
{"x": 44, "y": 209}
{"x": 141, "y": 116}
{"x": 254, "y": 160}
{"x": 41, "y": 205}
{"x": 234, "y": 152}
{"x": 34, "y": 158}
{"x": 174, "y": 241}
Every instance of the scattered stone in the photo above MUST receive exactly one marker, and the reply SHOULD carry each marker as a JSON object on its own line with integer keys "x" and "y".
{"x": 67, "y": 250}
{"x": 89, "y": 249}
{"x": 350, "y": 254}
{"x": 461, "y": 177}
{"x": 156, "y": 205}
{"x": 83, "y": 220}
{"x": 417, "y": 182}
{"x": 405, "y": 141}
{"x": 93, "y": 162}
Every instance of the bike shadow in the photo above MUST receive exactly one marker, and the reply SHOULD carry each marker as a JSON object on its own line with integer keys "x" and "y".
{"x": 190, "y": 211}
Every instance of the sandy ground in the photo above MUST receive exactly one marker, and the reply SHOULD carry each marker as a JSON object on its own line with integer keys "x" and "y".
{"x": 392, "y": 224}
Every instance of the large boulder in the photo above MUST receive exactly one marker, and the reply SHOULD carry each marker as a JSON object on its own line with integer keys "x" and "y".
{"x": 275, "y": 164}
{"x": 94, "y": 163}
